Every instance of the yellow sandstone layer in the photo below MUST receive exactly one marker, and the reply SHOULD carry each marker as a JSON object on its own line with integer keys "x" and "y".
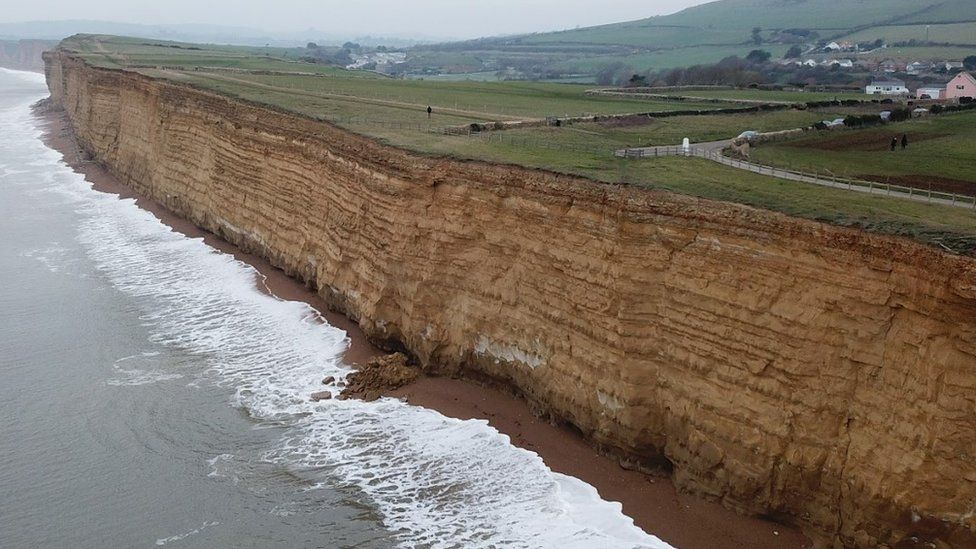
{"x": 819, "y": 375}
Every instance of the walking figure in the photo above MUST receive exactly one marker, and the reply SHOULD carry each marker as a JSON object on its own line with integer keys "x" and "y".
{"x": 904, "y": 141}
{"x": 429, "y": 110}
{"x": 894, "y": 143}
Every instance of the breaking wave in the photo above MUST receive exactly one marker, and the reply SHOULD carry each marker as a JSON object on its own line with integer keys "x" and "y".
{"x": 435, "y": 481}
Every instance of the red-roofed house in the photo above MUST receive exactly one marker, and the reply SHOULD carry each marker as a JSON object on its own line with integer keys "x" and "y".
{"x": 963, "y": 85}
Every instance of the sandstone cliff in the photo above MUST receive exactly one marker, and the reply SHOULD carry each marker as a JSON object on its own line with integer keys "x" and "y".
{"x": 24, "y": 55}
{"x": 820, "y": 375}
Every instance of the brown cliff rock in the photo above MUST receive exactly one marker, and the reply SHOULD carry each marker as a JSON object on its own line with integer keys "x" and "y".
{"x": 817, "y": 374}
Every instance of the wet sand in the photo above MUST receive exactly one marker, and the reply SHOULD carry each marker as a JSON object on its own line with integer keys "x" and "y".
{"x": 684, "y": 521}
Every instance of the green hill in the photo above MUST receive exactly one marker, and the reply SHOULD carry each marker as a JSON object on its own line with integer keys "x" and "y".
{"x": 709, "y": 32}
{"x": 729, "y": 22}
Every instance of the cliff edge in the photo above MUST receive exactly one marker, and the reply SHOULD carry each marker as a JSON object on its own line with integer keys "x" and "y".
{"x": 816, "y": 374}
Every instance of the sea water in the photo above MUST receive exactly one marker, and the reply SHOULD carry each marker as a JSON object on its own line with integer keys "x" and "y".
{"x": 151, "y": 395}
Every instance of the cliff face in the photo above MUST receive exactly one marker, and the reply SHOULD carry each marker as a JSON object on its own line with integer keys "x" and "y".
{"x": 24, "y": 55}
{"x": 821, "y": 375}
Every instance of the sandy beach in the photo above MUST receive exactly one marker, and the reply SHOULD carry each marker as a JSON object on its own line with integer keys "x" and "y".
{"x": 681, "y": 520}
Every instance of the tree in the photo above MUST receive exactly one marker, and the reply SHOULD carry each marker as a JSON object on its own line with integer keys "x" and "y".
{"x": 611, "y": 74}
{"x": 312, "y": 46}
{"x": 757, "y": 35}
{"x": 793, "y": 53}
{"x": 758, "y": 57}
{"x": 637, "y": 81}
{"x": 970, "y": 63}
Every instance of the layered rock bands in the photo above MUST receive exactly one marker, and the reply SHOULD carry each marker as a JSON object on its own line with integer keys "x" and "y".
{"x": 816, "y": 374}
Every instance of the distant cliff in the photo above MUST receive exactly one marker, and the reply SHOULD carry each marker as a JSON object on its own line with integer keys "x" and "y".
{"x": 820, "y": 375}
{"x": 24, "y": 55}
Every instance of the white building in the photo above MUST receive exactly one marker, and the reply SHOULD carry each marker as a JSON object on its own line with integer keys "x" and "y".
{"x": 917, "y": 67}
{"x": 886, "y": 87}
{"x": 842, "y": 63}
{"x": 930, "y": 93}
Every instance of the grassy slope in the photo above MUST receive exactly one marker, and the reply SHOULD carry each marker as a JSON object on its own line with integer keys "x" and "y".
{"x": 709, "y": 32}
{"x": 946, "y": 11}
{"x": 389, "y": 110}
{"x": 953, "y": 33}
{"x": 940, "y": 146}
{"x": 731, "y": 21}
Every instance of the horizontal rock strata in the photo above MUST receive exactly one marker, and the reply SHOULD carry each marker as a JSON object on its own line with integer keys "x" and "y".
{"x": 819, "y": 375}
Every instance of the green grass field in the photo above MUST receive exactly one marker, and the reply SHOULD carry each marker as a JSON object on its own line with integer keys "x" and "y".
{"x": 953, "y": 33}
{"x": 941, "y": 148}
{"x": 730, "y": 21}
{"x": 921, "y": 52}
{"x": 667, "y": 58}
{"x": 768, "y": 95}
{"x": 394, "y": 112}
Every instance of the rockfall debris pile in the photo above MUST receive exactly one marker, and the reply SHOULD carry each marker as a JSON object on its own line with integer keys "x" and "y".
{"x": 380, "y": 374}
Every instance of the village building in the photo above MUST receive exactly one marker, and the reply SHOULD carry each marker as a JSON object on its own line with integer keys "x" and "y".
{"x": 918, "y": 67}
{"x": 886, "y": 87}
{"x": 890, "y": 65}
{"x": 930, "y": 92}
{"x": 963, "y": 85}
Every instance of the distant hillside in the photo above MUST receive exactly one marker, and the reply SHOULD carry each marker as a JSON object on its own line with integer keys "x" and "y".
{"x": 728, "y": 22}
{"x": 709, "y": 32}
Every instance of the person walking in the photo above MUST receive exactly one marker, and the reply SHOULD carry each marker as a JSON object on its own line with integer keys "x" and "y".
{"x": 894, "y": 143}
{"x": 904, "y": 141}
{"x": 429, "y": 111}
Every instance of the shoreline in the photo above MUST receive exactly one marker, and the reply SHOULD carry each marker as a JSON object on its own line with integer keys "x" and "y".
{"x": 682, "y": 520}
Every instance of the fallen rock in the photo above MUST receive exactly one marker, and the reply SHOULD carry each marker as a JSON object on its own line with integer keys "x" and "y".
{"x": 328, "y": 381}
{"x": 380, "y": 374}
{"x": 324, "y": 395}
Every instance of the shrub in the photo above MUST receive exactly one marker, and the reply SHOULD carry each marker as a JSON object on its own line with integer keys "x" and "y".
{"x": 900, "y": 115}
{"x": 936, "y": 109}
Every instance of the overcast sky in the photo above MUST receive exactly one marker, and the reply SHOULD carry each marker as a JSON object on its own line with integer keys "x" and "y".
{"x": 435, "y": 18}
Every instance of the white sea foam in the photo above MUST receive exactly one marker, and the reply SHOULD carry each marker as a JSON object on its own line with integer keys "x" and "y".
{"x": 141, "y": 369}
{"x": 435, "y": 481}
{"x": 184, "y": 535}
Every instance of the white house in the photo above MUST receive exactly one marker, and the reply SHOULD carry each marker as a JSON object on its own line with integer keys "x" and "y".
{"x": 930, "y": 92}
{"x": 886, "y": 87}
{"x": 842, "y": 63}
{"x": 810, "y": 63}
{"x": 953, "y": 66}
{"x": 917, "y": 67}
{"x": 833, "y": 46}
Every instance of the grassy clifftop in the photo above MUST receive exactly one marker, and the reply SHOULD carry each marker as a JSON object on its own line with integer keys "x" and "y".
{"x": 394, "y": 111}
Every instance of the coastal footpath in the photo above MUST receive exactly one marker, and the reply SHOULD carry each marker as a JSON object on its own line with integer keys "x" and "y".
{"x": 818, "y": 375}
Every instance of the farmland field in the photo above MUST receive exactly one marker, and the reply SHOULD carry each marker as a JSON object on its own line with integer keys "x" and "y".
{"x": 394, "y": 112}
{"x": 953, "y": 33}
{"x": 941, "y": 153}
{"x": 766, "y": 95}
